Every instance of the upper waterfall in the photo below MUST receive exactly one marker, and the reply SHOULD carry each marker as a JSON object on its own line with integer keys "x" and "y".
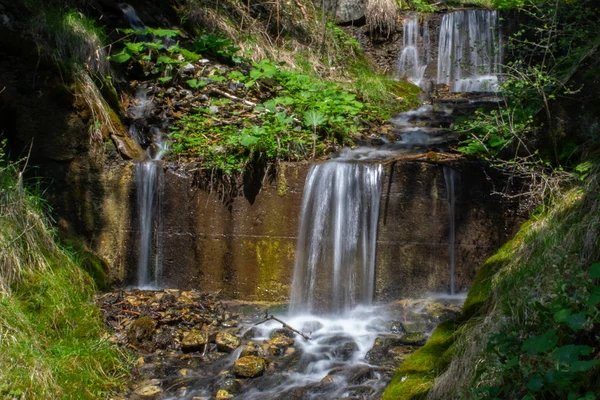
{"x": 413, "y": 62}
{"x": 470, "y": 51}
{"x": 335, "y": 257}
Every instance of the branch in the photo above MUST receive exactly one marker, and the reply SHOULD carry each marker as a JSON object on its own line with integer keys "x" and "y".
{"x": 430, "y": 157}
{"x": 272, "y": 317}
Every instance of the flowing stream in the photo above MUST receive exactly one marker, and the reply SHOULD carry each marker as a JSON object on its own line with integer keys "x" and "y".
{"x": 451, "y": 178}
{"x": 412, "y": 62}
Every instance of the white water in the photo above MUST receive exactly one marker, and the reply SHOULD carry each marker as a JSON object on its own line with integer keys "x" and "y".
{"x": 470, "y": 51}
{"x": 451, "y": 178}
{"x": 335, "y": 258}
{"x": 148, "y": 180}
{"x": 412, "y": 64}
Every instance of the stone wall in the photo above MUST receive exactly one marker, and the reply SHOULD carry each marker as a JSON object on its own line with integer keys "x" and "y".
{"x": 244, "y": 245}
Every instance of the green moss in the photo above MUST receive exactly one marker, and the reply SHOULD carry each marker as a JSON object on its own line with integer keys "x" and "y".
{"x": 269, "y": 254}
{"x": 415, "y": 376}
{"x": 281, "y": 180}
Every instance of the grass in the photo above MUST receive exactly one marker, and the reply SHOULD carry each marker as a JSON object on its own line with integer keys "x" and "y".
{"x": 51, "y": 335}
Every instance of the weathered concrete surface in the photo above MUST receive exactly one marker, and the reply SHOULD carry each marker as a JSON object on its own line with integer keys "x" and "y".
{"x": 212, "y": 241}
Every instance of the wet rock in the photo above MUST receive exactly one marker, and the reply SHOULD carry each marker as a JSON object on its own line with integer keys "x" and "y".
{"x": 249, "y": 367}
{"x": 282, "y": 333}
{"x": 250, "y": 333}
{"x": 252, "y": 349}
{"x": 223, "y": 394}
{"x": 230, "y": 385}
{"x": 227, "y": 342}
{"x": 149, "y": 388}
{"x": 377, "y": 354}
{"x": 377, "y": 325}
{"x": 417, "y": 327}
{"x": 194, "y": 340}
{"x": 396, "y": 327}
{"x": 311, "y": 326}
{"x": 140, "y": 331}
{"x": 414, "y": 339}
{"x": 346, "y": 351}
{"x": 401, "y": 353}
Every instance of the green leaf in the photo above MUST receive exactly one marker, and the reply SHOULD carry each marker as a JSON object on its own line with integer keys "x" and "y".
{"x": 562, "y": 315}
{"x": 165, "y": 79}
{"x": 595, "y": 271}
{"x": 134, "y": 47}
{"x": 270, "y": 105}
{"x": 120, "y": 57}
{"x": 577, "y": 321}
{"x": 170, "y": 33}
{"x": 247, "y": 140}
{"x": 582, "y": 366}
{"x": 540, "y": 344}
{"x": 570, "y": 353}
{"x": 314, "y": 118}
{"x": 155, "y": 45}
{"x": 195, "y": 83}
{"x": 535, "y": 384}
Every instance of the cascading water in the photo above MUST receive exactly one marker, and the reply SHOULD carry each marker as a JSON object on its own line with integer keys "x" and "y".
{"x": 411, "y": 63}
{"x": 451, "y": 179}
{"x": 335, "y": 257}
{"x": 148, "y": 180}
{"x": 470, "y": 51}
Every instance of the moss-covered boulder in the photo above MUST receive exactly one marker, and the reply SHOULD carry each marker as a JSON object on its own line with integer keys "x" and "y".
{"x": 227, "y": 342}
{"x": 249, "y": 367}
{"x": 194, "y": 340}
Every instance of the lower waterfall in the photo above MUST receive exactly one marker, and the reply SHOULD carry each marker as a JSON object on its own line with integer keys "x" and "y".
{"x": 335, "y": 258}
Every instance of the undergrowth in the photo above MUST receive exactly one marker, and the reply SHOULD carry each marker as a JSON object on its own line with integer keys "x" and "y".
{"x": 50, "y": 332}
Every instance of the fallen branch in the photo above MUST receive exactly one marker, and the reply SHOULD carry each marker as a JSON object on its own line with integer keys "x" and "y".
{"x": 272, "y": 317}
{"x": 232, "y": 97}
{"x": 432, "y": 157}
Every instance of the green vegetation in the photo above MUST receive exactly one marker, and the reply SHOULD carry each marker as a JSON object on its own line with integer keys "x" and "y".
{"x": 546, "y": 53}
{"x": 50, "y": 332}
{"x": 302, "y": 114}
{"x": 530, "y": 324}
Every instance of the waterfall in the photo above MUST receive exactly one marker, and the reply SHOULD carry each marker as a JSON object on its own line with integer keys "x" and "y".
{"x": 335, "y": 258}
{"x": 148, "y": 181}
{"x": 470, "y": 51}
{"x": 451, "y": 178}
{"x": 412, "y": 64}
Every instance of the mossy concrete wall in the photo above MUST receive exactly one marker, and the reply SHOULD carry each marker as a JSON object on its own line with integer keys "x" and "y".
{"x": 241, "y": 240}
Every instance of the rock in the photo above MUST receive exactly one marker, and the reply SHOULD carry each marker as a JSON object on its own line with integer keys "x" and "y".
{"x": 346, "y": 351}
{"x": 227, "y": 342}
{"x": 140, "y": 331}
{"x": 416, "y": 327}
{"x": 194, "y": 340}
{"x": 282, "y": 332}
{"x": 162, "y": 340}
{"x": 249, "y": 367}
{"x": 414, "y": 339}
{"x": 396, "y": 327}
{"x": 223, "y": 394}
{"x": 230, "y": 385}
{"x": 328, "y": 379}
{"x": 250, "y": 333}
{"x": 149, "y": 388}
{"x": 252, "y": 349}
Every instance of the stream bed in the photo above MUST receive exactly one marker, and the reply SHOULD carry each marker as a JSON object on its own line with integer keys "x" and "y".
{"x": 191, "y": 345}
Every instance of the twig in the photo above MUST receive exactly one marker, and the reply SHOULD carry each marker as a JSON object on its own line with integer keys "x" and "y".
{"x": 272, "y": 317}
{"x": 232, "y": 97}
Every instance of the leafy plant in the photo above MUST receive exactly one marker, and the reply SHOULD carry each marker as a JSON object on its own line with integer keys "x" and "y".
{"x": 218, "y": 46}
{"x": 551, "y": 356}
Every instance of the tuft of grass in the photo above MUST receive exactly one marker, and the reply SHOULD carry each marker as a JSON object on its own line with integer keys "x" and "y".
{"x": 51, "y": 334}
{"x": 381, "y": 15}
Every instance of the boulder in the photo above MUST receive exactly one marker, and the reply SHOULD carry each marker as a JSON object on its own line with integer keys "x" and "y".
{"x": 252, "y": 349}
{"x": 249, "y": 367}
{"x": 194, "y": 340}
{"x": 227, "y": 342}
{"x": 140, "y": 331}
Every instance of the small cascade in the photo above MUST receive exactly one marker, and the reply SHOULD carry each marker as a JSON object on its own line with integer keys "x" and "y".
{"x": 451, "y": 179}
{"x": 470, "y": 51}
{"x": 148, "y": 180}
{"x": 335, "y": 258}
{"x": 412, "y": 62}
